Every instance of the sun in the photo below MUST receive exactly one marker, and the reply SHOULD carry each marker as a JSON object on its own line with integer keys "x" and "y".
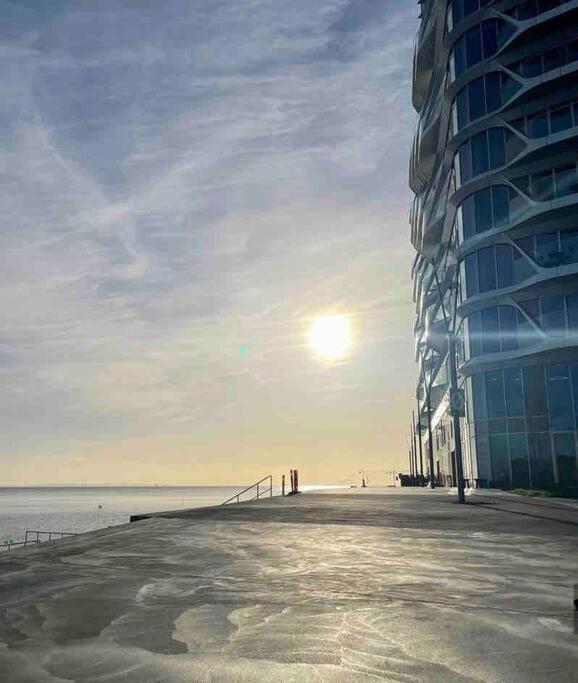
{"x": 330, "y": 336}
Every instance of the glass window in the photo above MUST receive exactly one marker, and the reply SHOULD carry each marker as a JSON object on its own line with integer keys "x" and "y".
{"x": 516, "y": 425}
{"x": 493, "y": 87}
{"x": 462, "y": 108}
{"x": 518, "y": 206}
{"x": 514, "y": 392}
{"x": 527, "y": 334}
{"x": 561, "y": 118}
{"x": 572, "y": 309}
{"x": 500, "y": 460}
{"x": 547, "y": 249}
{"x": 565, "y": 180}
{"x": 486, "y": 269}
{"x": 519, "y": 460}
{"x": 526, "y": 244}
{"x": 490, "y": 38}
{"x": 542, "y": 186}
{"x": 497, "y": 147}
{"x": 538, "y": 125}
{"x": 475, "y": 334}
{"x": 531, "y": 67}
{"x": 573, "y": 51}
{"x": 468, "y": 217}
{"x": 497, "y": 426}
{"x": 500, "y": 204}
{"x": 457, "y": 11}
{"x": 504, "y": 265}
{"x": 520, "y": 266}
{"x": 569, "y": 246}
{"x": 565, "y": 454}
{"x": 473, "y": 46}
{"x": 495, "y": 394}
{"x": 523, "y": 184}
{"x": 553, "y": 316}
{"x": 559, "y": 396}
{"x": 545, "y": 5}
{"x": 574, "y": 378}
{"x": 459, "y": 58}
{"x": 508, "y": 328}
{"x": 535, "y": 392}
{"x": 541, "y": 466}
{"x": 526, "y": 10}
{"x": 471, "y": 267}
{"x": 554, "y": 58}
{"x": 465, "y": 157}
{"x": 532, "y": 308}
{"x": 519, "y": 124}
{"x": 491, "y": 330}
{"x": 483, "y": 210}
{"x": 480, "y": 159}
{"x": 476, "y": 101}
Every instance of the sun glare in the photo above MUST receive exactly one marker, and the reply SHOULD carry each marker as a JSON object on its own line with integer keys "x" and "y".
{"x": 330, "y": 336}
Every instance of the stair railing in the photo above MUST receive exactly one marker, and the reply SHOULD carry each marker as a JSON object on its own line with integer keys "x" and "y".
{"x": 260, "y": 491}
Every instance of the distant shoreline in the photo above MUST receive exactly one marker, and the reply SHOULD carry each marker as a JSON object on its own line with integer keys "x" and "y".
{"x": 119, "y": 486}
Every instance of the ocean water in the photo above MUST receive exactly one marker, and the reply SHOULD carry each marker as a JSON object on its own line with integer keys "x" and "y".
{"x": 83, "y": 508}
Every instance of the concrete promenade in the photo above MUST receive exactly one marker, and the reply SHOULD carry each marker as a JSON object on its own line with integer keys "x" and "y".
{"x": 393, "y": 585}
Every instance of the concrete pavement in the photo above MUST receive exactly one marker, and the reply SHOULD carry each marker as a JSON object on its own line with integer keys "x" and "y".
{"x": 360, "y": 585}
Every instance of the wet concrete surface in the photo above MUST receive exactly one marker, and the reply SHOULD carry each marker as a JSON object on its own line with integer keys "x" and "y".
{"x": 394, "y": 585}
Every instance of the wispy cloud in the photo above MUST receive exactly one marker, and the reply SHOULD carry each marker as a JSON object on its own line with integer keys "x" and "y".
{"x": 184, "y": 180}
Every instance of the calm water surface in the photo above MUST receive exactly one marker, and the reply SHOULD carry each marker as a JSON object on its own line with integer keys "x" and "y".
{"x": 84, "y": 508}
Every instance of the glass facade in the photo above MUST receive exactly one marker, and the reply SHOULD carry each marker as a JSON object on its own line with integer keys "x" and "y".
{"x": 548, "y": 121}
{"x": 552, "y": 183}
{"x": 495, "y": 267}
{"x": 543, "y": 62}
{"x": 496, "y": 217}
{"x": 532, "y": 8}
{"x": 484, "y": 210}
{"x": 482, "y": 96}
{"x": 496, "y": 329}
{"x": 551, "y": 249}
{"x": 530, "y": 423}
{"x": 481, "y": 42}
{"x": 459, "y": 9}
{"x": 485, "y": 152}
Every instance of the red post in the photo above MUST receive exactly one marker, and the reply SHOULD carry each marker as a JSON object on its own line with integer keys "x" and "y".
{"x": 292, "y": 481}
{"x": 283, "y": 485}
{"x": 296, "y": 481}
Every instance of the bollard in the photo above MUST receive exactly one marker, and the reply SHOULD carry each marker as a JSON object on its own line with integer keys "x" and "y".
{"x": 283, "y": 485}
{"x": 296, "y": 475}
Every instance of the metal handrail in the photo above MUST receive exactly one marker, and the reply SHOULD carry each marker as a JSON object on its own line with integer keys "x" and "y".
{"x": 40, "y": 538}
{"x": 260, "y": 492}
{"x": 28, "y": 538}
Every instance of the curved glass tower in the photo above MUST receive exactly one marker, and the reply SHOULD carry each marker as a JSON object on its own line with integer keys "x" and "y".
{"x": 495, "y": 226}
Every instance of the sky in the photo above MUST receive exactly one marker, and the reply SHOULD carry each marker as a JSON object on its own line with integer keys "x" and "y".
{"x": 185, "y": 186}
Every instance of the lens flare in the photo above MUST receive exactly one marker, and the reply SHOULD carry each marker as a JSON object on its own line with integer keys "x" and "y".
{"x": 330, "y": 336}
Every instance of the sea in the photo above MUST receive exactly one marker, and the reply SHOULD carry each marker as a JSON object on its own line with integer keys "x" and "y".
{"x": 82, "y": 508}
